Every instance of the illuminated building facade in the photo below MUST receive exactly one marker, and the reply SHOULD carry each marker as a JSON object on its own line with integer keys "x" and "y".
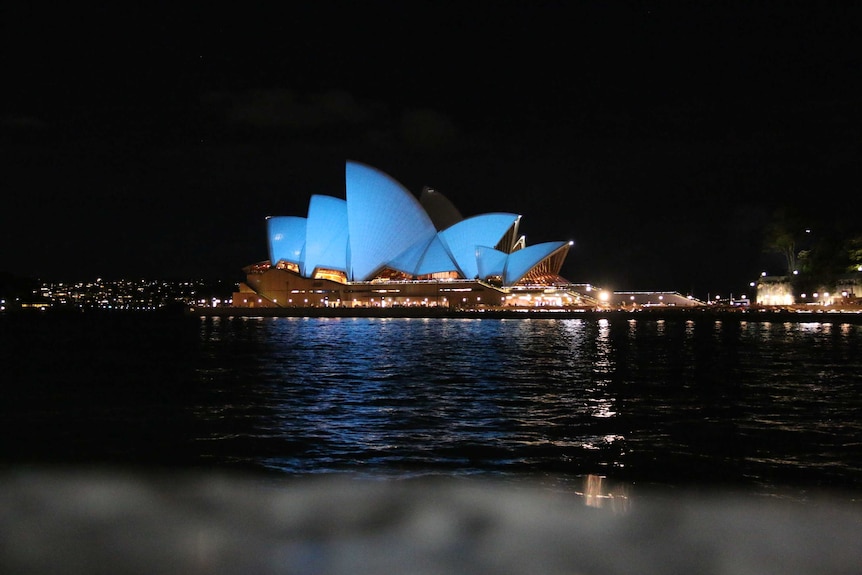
{"x": 381, "y": 246}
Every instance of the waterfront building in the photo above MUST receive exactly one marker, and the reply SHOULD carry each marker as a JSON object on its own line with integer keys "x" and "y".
{"x": 843, "y": 292}
{"x": 380, "y": 246}
{"x": 633, "y": 300}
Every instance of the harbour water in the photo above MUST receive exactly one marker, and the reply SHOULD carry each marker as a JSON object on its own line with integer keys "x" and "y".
{"x": 761, "y": 407}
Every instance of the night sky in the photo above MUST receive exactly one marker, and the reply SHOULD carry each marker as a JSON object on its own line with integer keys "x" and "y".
{"x": 660, "y": 137}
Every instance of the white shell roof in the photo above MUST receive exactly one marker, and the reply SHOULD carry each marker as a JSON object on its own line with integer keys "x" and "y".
{"x": 381, "y": 224}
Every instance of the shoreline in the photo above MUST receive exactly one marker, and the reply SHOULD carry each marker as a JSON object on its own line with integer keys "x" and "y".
{"x": 655, "y": 313}
{"x": 846, "y": 316}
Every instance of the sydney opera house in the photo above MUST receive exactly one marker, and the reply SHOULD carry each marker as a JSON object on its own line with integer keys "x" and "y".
{"x": 381, "y": 246}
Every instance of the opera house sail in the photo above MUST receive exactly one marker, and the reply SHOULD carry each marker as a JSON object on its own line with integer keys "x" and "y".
{"x": 383, "y": 246}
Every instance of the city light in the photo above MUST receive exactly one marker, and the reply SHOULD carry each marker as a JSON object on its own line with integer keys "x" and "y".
{"x": 123, "y": 294}
{"x": 144, "y": 295}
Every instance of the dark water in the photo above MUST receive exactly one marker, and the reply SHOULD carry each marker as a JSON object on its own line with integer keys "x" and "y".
{"x": 757, "y": 406}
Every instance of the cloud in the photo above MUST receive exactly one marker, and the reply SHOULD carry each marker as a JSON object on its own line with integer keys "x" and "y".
{"x": 285, "y": 109}
{"x": 427, "y": 129}
{"x": 23, "y": 123}
{"x": 334, "y": 113}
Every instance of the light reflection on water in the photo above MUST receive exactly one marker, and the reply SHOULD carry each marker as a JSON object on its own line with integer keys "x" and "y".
{"x": 748, "y": 404}
{"x": 655, "y": 402}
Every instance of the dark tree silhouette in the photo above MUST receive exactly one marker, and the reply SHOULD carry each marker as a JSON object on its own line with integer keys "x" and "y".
{"x": 783, "y": 235}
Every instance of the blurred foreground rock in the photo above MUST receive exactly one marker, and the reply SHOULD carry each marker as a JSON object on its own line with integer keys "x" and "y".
{"x": 123, "y": 523}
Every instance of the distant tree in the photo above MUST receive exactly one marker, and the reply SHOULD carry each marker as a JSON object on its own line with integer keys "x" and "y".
{"x": 804, "y": 262}
{"x": 830, "y": 248}
{"x": 782, "y": 235}
{"x": 853, "y": 247}
{"x": 818, "y": 248}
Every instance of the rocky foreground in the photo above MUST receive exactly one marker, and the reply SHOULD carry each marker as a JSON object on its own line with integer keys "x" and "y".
{"x": 120, "y": 523}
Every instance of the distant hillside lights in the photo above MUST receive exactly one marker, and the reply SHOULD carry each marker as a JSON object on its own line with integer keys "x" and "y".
{"x": 131, "y": 295}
